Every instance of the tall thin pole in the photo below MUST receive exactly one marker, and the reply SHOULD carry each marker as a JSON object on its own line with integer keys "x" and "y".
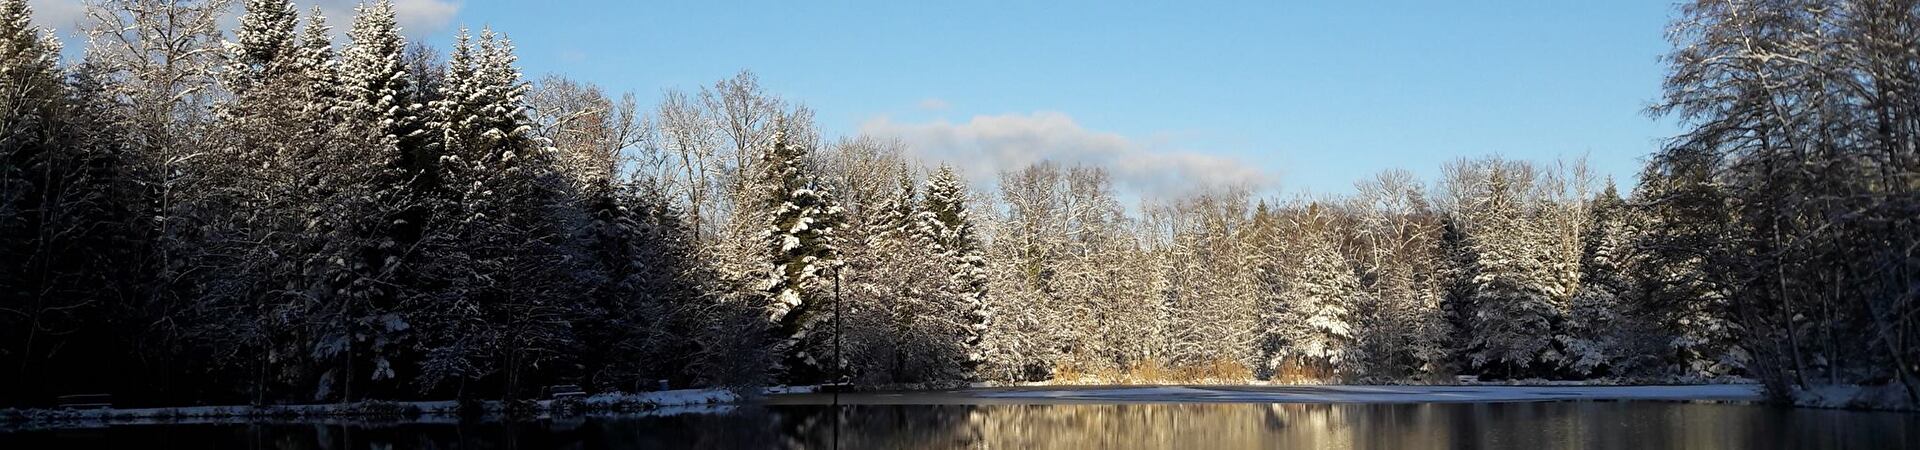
{"x": 839, "y": 358}
{"x": 839, "y": 352}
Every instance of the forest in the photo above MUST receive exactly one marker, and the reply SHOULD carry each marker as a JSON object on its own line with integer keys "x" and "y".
{"x": 198, "y": 215}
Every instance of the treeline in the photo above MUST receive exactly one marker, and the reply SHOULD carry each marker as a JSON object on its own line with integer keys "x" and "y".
{"x": 1792, "y": 196}
{"x": 266, "y": 218}
{"x": 1506, "y": 270}
{"x": 194, "y": 215}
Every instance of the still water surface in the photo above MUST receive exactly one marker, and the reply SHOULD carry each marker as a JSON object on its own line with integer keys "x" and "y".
{"x": 1547, "y": 425}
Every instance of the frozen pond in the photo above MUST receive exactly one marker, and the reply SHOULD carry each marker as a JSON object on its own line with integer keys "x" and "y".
{"x": 1161, "y": 417}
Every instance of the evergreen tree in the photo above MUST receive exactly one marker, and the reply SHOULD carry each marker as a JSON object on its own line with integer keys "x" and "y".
{"x": 320, "y": 67}
{"x": 1513, "y": 305}
{"x": 903, "y": 291}
{"x": 1320, "y": 296}
{"x": 379, "y": 90}
{"x": 800, "y": 249}
{"x": 255, "y": 293}
{"x": 30, "y": 53}
{"x": 264, "y": 45}
{"x": 1594, "y": 336}
{"x": 353, "y": 209}
{"x": 31, "y": 77}
{"x": 504, "y": 261}
{"x": 898, "y": 252}
{"x": 1458, "y": 266}
{"x": 944, "y": 219}
{"x": 394, "y": 274}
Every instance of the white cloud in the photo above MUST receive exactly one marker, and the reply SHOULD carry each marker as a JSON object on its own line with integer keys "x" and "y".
{"x": 985, "y": 146}
{"x": 934, "y": 104}
{"x": 426, "y": 16}
{"x": 418, "y": 18}
{"x": 62, "y": 16}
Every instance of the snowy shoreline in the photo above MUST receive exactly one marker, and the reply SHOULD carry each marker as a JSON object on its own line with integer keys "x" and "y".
{"x": 720, "y": 401}
{"x": 690, "y": 400}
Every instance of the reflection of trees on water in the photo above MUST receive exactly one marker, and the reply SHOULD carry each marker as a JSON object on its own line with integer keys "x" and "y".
{"x": 876, "y": 426}
{"x": 1631, "y": 425}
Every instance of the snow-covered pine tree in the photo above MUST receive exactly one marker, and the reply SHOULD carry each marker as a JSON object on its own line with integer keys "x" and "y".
{"x": 507, "y": 267}
{"x": 674, "y": 287}
{"x": 503, "y": 115}
{"x": 944, "y": 219}
{"x": 351, "y": 188}
{"x": 30, "y": 74}
{"x": 801, "y": 255}
{"x": 904, "y": 292}
{"x": 253, "y": 229}
{"x": 1513, "y": 301}
{"x": 379, "y": 94}
{"x": 1595, "y": 331}
{"x": 379, "y": 91}
{"x": 898, "y": 216}
{"x": 870, "y": 334}
{"x": 26, "y": 51}
{"x": 460, "y": 253}
{"x": 1456, "y": 274}
{"x": 263, "y": 46}
{"x": 1320, "y": 296}
{"x": 322, "y": 187}
{"x": 263, "y": 76}
{"x": 30, "y": 77}
{"x": 456, "y": 115}
{"x": 320, "y": 67}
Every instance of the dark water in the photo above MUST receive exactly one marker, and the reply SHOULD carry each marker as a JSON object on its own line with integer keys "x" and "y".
{"x": 1621, "y": 425}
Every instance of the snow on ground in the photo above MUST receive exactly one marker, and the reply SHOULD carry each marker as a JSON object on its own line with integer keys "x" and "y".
{"x": 1374, "y": 394}
{"x": 720, "y": 401}
{"x": 771, "y": 390}
{"x": 205, "y": 412}
{"x": 28, "y": 419}
{"x": 617, "y": 401}
{"x": 1889, "y": 397}
{"x": 651, "y": 403}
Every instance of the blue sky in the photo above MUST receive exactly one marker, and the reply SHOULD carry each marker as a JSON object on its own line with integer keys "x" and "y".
{"x": 1298, "y": 95}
